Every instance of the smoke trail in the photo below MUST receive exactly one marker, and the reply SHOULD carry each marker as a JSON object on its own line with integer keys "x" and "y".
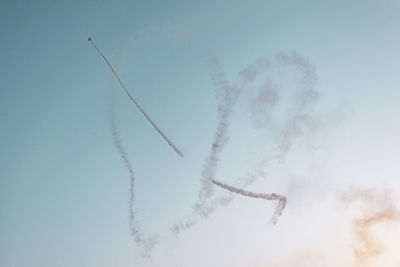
{"x": 297, "y": 108}
{"x": 227, "y": 97}
{"x": 212, "y": 204}
{"x": 279, "y": 209}
{"x": 298, "y": 121}
{"x": 146, "y": 243}
{"x": 377, "y": 208}
{"x": 170, "y": 143}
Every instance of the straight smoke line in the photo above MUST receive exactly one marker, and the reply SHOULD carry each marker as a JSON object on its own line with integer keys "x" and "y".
{"x": 170, "y": 143}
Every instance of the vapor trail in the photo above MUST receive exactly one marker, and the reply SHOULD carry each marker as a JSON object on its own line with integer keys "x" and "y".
{"x": 296, "y": 123}
{"x": 226, "y": 96}
{"x": 281, "y": 204}
{"x": 146, "y": 243}
{"x": 170, "y": 143}
{"x": 297, "y": 120}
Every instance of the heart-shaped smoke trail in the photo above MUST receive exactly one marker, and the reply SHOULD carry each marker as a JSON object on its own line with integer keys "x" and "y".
{"x": 296, "y": 124}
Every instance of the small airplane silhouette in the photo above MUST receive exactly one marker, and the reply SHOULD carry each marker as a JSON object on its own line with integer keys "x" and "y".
{"x": 89, "y": 39}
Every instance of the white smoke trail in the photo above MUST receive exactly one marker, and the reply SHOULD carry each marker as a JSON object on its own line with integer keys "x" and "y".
{"x": 227, "y": 97}
{"x": 170, "y": 143}
{"x": 281, "y": 199}
{"x": 298, "y": 121}
{"x": 146, "y": 243}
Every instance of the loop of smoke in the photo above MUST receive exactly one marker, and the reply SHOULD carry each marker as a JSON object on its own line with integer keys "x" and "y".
{"x": 298, "y": 122}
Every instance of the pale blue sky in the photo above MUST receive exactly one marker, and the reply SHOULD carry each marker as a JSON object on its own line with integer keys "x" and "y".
{"x": 63, "y": 187}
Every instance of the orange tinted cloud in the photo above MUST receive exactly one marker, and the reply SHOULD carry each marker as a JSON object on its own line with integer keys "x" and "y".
{"x": 377, "y": 208}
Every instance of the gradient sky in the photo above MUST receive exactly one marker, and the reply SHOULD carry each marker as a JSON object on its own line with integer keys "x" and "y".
{"x": 64, "y": 189}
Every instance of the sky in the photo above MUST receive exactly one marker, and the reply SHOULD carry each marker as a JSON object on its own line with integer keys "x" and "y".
{"x": 64, "y": 188}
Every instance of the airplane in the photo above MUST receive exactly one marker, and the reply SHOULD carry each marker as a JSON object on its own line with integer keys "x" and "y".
{"x": 89, "y": 39}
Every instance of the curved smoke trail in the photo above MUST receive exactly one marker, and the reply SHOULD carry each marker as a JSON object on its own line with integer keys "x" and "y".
{"x": 146, "y": 243}
{"x": 227, "y": 97}
{"x": 281, "y": 199}
{"x": 170, "y": 143}
{"x": 299, "y": 121}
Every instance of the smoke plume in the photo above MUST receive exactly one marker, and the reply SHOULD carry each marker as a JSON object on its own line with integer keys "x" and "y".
{"x": 377, "y": 208}
{"x": 296, "y": 119}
